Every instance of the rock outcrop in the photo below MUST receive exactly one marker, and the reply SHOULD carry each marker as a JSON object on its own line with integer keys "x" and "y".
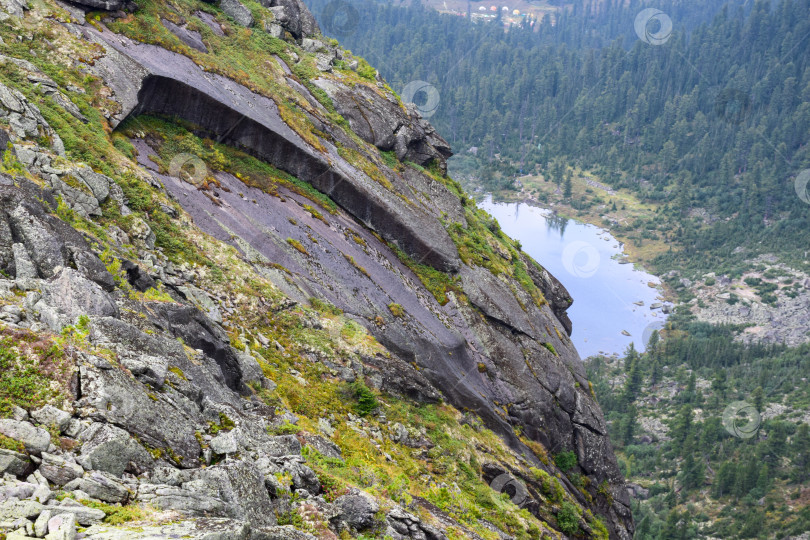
{"x": 152, "y": 80}
{"x": 163, "y": 397}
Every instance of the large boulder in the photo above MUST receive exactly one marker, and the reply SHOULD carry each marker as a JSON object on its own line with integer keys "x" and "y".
{"x": 30, "y": 235}
{"x": 100, "y": 485}
{"x": 111, "y": 449}
{"x": 58, "y": 469}
{"x": 166, "y": 423}
{"x": 238, "y": 12}
{"x": 233, "y": 489}
{"x": 357, "y": 509}
{"x": 13, "y": 463}
{"x": 36, "y": 440}
{"x": 294, "y": 17}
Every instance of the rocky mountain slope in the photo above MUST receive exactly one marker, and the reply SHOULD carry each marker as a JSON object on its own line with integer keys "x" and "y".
{"x": 242, "y": 299}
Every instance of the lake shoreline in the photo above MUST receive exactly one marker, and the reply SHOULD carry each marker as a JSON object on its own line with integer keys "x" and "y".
{"x": 636, "y": 298}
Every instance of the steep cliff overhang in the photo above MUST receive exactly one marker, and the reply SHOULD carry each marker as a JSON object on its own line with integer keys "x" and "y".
{"x": 151, "y": 80}
{"x": 492, "y": 350}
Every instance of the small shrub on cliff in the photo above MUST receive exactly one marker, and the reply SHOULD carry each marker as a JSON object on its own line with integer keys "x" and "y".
{"x": 366, "y": 400}
{"x": 568, "y": 518}
{"x": 565, "y": 461}
{"x": 297, "y": 245}
{"x": 396, "y": 310}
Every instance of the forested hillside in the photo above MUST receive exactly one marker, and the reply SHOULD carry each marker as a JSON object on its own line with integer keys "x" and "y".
{"x": 700, "y": 459}
{"x": 711, "y": 122}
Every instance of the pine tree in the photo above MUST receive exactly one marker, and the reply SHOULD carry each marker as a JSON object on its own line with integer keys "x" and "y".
{"x": 800, "y": 454}
{"x": 682, "y": 427}
{"x": 628, "y": 425}
{"x": 725, "y": 480}
{"x": 758, "y": 398}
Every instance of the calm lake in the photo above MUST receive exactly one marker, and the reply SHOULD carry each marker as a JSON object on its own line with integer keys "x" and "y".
{"x": 606, "y": 293}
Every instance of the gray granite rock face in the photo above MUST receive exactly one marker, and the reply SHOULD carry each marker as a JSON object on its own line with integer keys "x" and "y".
{"x": 48, "y": 242}
{"x": 382, "y": 122}
{"x": 238, "y": 12}
{"x": 170, "y": 84}
{"x": 111, "y": 449}
{"x": 69, "y": 296}
{"x": 293, "y": 16}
